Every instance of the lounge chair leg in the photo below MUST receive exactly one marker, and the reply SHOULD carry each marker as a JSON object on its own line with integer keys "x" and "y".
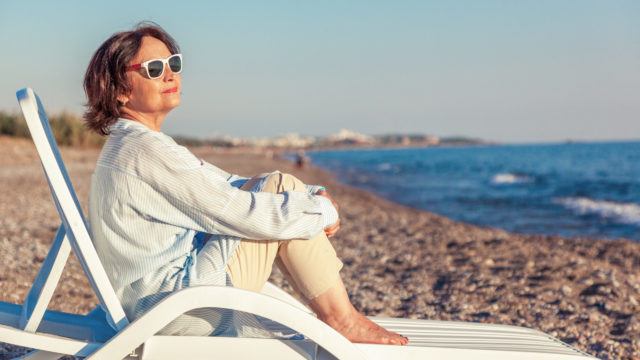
{"x": 39, "y": 355}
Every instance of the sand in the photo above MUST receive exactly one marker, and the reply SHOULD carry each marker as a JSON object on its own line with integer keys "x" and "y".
{"x": 398, "y": 261}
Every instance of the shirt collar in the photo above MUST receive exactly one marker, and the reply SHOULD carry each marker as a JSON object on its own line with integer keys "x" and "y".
{"x": 123, "y": 124}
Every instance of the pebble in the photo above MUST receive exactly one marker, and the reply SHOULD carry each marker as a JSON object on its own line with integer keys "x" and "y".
{"x": 566, "y": 290}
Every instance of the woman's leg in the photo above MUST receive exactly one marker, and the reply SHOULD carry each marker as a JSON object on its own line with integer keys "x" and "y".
{"x": 251, "y": 263}
{"x": 312, "y": 267}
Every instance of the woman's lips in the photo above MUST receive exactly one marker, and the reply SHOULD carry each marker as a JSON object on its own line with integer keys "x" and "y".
{"x": 172, "y": 90}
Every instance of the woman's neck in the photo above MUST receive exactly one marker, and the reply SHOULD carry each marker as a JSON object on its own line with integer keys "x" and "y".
{"x": 153, "y": 122}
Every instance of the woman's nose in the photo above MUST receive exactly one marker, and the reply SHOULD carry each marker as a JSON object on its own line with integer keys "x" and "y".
{"x": 168, "y": 74}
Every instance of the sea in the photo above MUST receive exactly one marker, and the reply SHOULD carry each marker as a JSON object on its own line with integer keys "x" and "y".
{"x": 568, "y": 189}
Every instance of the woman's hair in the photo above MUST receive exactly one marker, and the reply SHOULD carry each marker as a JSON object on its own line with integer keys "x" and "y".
{"x": 106, "y": 78}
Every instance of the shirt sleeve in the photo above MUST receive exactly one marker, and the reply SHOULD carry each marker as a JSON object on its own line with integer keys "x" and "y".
{"x": 204, "y": 200}
{"x": 329, "y": 212}
{"x": 233, "y": 179}
{"x": 238, "y": 181}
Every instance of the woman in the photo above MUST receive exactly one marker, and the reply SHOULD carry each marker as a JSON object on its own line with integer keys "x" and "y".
{"x": 163, "y": 220}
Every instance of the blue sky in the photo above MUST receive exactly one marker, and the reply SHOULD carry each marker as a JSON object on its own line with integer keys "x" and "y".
{"x": 513, "y": 71}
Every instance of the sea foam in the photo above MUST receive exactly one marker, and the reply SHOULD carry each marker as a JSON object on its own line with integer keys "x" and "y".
{"x": 626, "y": 213}
{"x": 509, "y": 178}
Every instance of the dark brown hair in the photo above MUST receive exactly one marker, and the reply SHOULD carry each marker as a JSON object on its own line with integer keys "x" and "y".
{"x": 106, "y": 78}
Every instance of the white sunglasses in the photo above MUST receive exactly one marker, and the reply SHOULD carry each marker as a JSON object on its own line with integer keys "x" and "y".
{"x": 155, "y": 67}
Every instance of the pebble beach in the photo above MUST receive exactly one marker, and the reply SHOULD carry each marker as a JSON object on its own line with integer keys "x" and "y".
{"x": 399, "y": 261}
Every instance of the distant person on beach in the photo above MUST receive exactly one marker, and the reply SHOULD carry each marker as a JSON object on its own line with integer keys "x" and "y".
{"x": 302, "y": 159}
{"x": 163, "y": 220}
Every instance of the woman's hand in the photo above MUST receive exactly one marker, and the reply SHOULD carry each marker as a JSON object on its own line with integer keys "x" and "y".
{"x": 333, "y": 229}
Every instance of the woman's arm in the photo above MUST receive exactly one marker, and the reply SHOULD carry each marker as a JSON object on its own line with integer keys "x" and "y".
{"x": 235, "y": 180}
{"x": 238, "y": 181}
{"x": 201, "y": 198}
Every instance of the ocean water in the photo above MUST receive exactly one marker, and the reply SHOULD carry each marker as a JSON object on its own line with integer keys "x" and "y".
{"x": 574, "y": 189}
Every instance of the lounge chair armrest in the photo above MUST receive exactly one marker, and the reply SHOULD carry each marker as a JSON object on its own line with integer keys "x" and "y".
{"x": 276, "y": 292}
{"x": 230, "y": 298}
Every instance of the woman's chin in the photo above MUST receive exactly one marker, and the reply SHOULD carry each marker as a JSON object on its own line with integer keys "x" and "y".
{"x": 172, "y": 103}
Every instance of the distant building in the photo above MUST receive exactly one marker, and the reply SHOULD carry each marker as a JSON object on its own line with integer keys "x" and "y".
{"x": 409, "y": 139}
{"x": 345, "y": 136}
{"x": 293, "y": 140}
{"x": 430, "y": 140}
{"x": 225, "y": 141}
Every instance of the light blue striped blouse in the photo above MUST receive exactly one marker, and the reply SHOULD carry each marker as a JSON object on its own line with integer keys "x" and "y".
{"x": 163, "y": 219}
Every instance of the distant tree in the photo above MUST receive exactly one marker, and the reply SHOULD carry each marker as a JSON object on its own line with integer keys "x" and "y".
{"x": 13, "y": 124}
{"x": 68, "y": 129}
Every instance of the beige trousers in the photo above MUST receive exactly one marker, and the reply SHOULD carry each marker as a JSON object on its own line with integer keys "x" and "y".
{"x": 311, "y": 266}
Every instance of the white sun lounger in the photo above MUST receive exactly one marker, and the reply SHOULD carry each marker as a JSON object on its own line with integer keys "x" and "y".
{"x": 54, "y": 334}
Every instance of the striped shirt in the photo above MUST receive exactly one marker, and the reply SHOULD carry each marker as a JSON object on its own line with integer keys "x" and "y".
{"x": 163, "y": 219}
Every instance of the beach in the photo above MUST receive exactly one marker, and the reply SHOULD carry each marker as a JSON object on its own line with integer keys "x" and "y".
{"x": 398, "y": 261}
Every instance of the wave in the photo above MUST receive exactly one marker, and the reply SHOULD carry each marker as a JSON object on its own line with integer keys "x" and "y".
{"x": 388, "y": 167}
{"x": 384, "y": 166}
{"x": 510, "y": 178}
{"x": 626, "y": 213}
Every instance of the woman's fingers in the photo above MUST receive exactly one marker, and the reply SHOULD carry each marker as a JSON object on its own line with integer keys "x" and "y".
{"x": 329, "y": 233}
{"x": 333, "y": 229}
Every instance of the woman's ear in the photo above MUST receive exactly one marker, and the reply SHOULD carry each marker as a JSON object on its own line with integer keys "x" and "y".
{"x": 122, "y": 100}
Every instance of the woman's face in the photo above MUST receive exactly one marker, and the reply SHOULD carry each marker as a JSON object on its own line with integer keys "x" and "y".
{"x": 152, "y": 98}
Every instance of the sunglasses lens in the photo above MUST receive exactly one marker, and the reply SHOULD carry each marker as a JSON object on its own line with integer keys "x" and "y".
{"x": 175, "y": 63}
{"x": 155, "y": 68}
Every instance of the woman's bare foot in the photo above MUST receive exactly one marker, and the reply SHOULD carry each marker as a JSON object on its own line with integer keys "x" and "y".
{"x": 334, "y": 308}
{"x": 359, "y": 329}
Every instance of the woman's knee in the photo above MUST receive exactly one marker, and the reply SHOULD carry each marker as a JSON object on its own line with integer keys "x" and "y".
{"x": 247, "y": 186}
{"x": 277, "y": 182}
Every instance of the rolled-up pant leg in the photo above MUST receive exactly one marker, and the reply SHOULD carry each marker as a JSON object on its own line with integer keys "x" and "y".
{"x": 310, "y": 265}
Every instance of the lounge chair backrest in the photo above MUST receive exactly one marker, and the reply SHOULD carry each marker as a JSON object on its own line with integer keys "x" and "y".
{"x": 74, "y": 226}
